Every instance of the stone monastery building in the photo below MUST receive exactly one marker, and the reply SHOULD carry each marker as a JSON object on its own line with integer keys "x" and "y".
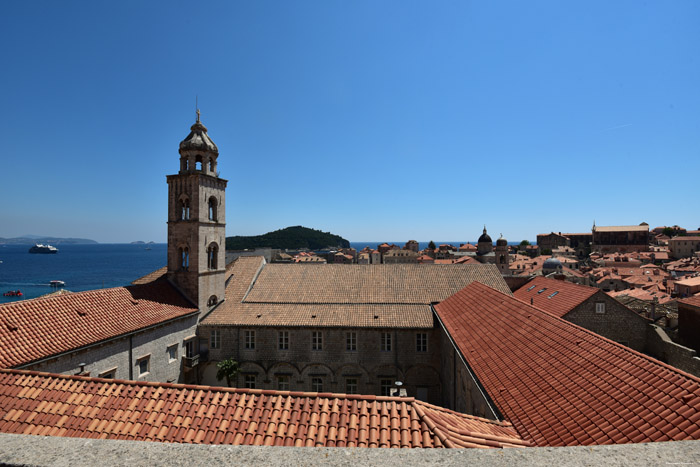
{"x": 322, "y": 348}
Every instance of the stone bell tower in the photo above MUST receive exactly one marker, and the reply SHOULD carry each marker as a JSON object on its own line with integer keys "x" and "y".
{"x": 197, "y": 221}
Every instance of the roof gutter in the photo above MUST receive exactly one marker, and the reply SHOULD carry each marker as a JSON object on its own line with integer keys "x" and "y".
{"x": 104, "y": 341}
{"x": 489, "y": 402}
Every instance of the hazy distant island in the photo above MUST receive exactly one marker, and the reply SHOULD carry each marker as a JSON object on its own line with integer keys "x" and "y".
{"x": 141, "y": 242}
{"x": 33, "y": 239}
{"x": 289, "y": 238}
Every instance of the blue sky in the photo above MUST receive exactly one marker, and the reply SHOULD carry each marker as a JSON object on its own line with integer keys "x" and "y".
{"x": 372, "y": 120}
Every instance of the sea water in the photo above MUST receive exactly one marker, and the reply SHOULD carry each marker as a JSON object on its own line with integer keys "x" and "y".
{"x": 81, "y": 267}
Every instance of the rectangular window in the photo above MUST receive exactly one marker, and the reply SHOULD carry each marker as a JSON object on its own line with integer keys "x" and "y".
{"x": 316, "y": 384}
{"x": 284, "y": 340}
{"x": 351, "y": 386}
{"x": 144, "y": 364}
{"x": 316, "y": 340}
{"x": 385, "y": 345}
{"x": 172, "y": 353}
{"x": 249, "y": 339}
{"x": 385, "y": 386}
{"x": 422, "y": 342}
{"x": 249, "y": 381}
{"x": 109, "y": 374}
{"x": 351, "y": 341}
{"x": 215, "y": 339}
{"x": 283, "y": 383}
{"x": 600, "y": 307}
{"x": 189, "y": 347}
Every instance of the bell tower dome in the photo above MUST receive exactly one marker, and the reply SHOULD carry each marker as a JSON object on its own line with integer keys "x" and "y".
{"x": 196, "y": 221}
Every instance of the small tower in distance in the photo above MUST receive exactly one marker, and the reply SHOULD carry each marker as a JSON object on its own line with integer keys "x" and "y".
{"x": 502, "y": 256}
{"x": 197, "y": 221}
{"x": 484, "y": 245}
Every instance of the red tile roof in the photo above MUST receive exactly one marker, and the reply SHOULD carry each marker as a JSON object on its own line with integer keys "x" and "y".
{"x": 561, "y": 385}
{"x": 34, "y": 329}
{"x": 81, "y": 407}
{"x": 693, "y": 301}
{"x": 540, "y": 292}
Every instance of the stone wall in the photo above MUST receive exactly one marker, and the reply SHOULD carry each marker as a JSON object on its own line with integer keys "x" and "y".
{"x": 460, "y": 390}
{"x": 334, "y": 365}
{"x": 617, "y": 323}
{"x": 121, "y": 356}
{"x": 661, "y": 346}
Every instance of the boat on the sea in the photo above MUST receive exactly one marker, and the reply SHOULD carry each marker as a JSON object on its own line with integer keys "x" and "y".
{"x": 57, "y": 283}
{"x": 13, "y": 293}
{"x": 39, "y": 248}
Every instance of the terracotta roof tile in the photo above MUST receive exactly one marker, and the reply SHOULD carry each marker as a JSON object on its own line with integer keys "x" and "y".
{"x": 48, "y": 326}
{"x": 551, "y": 378}
{"x": 270, "y": 418}
{"x": 380, "y": 296}
{"x": 554, "y": 296}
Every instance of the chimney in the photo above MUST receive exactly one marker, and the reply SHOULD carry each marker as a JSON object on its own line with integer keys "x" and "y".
{"x": 532, "y": 301}
{"x": 652, "y": 313}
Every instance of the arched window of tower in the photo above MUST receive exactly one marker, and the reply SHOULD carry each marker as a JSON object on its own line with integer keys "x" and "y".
{"x": 212, "y": 209}
{"x": 184, "y": 258}
{"x": 198, "y": 163}
{"x": 212, "y": 254}
{"x": 185, "y": 205}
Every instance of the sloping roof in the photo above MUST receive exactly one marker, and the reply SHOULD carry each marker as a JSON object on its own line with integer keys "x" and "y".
{"x": 152, "y": 276}
{"x": 692, "y": 301}
{"x": 622, "y": 228}
{"x": 561, "y": 385}
{"x": 540, "y": 292}
{"x": 381, "y": 296}
{"x": 358, "y": 284}
{"x": 81, "y": 407}
{"x": 34, "y": 329}
{"x": 689, "y": 282}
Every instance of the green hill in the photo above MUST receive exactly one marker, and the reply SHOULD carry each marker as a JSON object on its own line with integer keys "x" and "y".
{"x": 289, "y": 238}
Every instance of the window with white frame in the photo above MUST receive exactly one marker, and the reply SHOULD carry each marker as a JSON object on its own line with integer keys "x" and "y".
{"x": 351, "y": 341}
{"x": 316, "y": 384}
{"x": 385, "y": 345}
{"x": 215, "y": 339}
{"x": 284, "y": 340}
{"x": 351, "y": 385}
{"x": 144, "y": 365}
{"x": 109, "y": 374}
{"x": 385, "y": 386}
{"x": 317, "y": 340}
{"x": 249, "y": 339}
{"x": 249, "y": 381}
{"x": 172, "y": 353}
{"x": 422, "y": 342}
{"x": 600, "y": 307}
{"x": 283, "y": 383}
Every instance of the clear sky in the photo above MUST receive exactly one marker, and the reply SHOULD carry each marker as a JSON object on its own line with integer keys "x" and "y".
{"x": 375, "y": 120}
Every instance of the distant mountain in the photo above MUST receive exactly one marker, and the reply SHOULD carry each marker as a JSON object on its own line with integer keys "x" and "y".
{"x": 32, "y": 239}
{"x": 289, "y": 238}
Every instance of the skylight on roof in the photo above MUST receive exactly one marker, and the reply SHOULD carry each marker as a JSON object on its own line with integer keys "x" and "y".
{"x": 530, "y": 288}
{"x": 553, "y": 294}
{"x": 542, "y": 290}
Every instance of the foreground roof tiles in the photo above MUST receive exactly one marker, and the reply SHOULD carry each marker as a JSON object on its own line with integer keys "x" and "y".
{"x": 34, "y": 329}
{"x": 555, "y": 296}
{"x": 561, "y": 385}
{"x": 35, "y": 403}
{"x": 376, "y": 296}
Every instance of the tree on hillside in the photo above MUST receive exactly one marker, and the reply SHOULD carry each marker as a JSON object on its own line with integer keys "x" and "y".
{"x": 228, "y": 370}
{"x": 524, "y": 243}
{"x": 431, "y": 245}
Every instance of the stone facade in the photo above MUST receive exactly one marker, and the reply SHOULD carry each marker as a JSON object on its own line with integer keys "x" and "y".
{"x": 290, "y": 361}
{"x": 120, "y": 358}
{"x": 609, "y": 318}
{"x": 684, "y": 247}
{"x": 548, "y": 242}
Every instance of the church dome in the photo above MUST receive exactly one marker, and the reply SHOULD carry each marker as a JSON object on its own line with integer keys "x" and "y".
{"x": 551, "y": 264}
{"x": 198, "y": 139}
{"x": 501, "y": 242}
{"x": 485, "y": 237}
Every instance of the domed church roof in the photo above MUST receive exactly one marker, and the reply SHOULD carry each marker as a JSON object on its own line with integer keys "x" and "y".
{"x": 485, "y": 237}
{"x": 501, "y": 241}
{"x": 198, "y": 139}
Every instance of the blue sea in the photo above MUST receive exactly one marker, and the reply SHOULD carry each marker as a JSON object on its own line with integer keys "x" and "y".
{"x": 81, "y": 267}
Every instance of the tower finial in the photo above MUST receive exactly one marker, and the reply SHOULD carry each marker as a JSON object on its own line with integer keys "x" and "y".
{"x": 196, "y": 105}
